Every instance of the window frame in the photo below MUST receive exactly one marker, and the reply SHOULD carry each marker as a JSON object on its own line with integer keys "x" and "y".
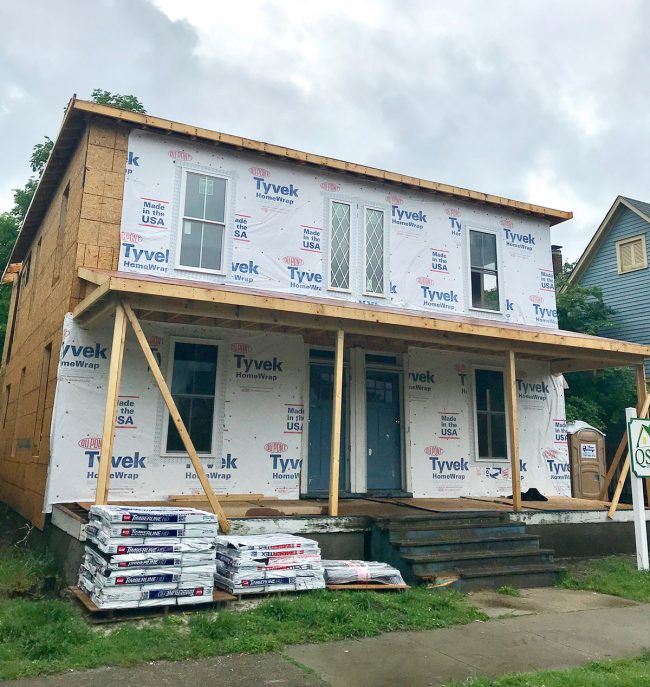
{"x": 499, "y": 268}
{"x": 330, "y": 235}
{"x": 622, "y": 242}
{"x": 181, "y": 222}
{"x": 475, "y": 412}
{"x": 385, "y": 253}
{"x": 218, "y": 384}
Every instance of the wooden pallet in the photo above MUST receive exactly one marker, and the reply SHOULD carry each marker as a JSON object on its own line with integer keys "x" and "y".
{"x": 95, "y": 614}
{"x": 368, "y": 586}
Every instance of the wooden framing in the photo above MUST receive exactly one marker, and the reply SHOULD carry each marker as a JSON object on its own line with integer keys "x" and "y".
{"x": 510, "y": 380}
{"x": 176, "y": 418}
{"x": 337, "y": 399}
{"x": 110, "y": 409}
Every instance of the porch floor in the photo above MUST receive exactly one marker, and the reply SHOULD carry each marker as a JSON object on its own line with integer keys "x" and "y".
{"x": 372, "y": 507}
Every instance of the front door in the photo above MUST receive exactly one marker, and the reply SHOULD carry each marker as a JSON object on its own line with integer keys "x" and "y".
{"x": 321, "y": 384}
{"x": 383, "y": 430}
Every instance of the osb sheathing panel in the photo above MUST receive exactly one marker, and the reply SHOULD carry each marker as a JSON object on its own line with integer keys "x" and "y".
{"x": 91, "y": 239}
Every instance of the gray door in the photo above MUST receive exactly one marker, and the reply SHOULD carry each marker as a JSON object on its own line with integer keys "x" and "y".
{"x": 321, "y": 384}
{"x": 383, "y": 430}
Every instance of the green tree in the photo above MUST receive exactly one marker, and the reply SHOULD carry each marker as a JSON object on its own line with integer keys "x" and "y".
{"x": 124, "y": 102}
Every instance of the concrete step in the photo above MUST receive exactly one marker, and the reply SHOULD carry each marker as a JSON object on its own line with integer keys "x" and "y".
{"x": 455, "y": 531}
{"x": 520, "y": 576}
{"x": 507, "y": 542}
{"x": 462, "y": 563}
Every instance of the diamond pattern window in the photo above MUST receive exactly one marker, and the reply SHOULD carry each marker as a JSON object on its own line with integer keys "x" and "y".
{"x": 374, "y": 251}
{"x": 340, "y": 246}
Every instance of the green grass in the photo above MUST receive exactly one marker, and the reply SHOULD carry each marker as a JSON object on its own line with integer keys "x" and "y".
{"x": 49, "y": 636}
{"x": 616, "y": 575}
{"x": 25, "y": 572}
{"x": 624, "y": 673}
{"x": 506, "y": 590}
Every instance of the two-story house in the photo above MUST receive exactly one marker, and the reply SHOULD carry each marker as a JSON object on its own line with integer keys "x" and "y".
{"x": 198, "y": 311}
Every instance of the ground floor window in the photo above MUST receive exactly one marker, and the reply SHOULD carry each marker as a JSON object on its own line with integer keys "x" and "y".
{"x": 490, "y": 415}
{"x": 193, "y": 385}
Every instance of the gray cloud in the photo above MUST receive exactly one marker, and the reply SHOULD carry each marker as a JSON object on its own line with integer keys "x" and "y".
{"x": 547, "y": 103}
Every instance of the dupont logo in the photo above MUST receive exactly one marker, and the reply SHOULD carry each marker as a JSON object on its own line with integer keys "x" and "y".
{"x": 90, "y": 442}
{"x": 461, "y": 369}
{"x": 506, "y": 223}
{"x": 535, "y": 299}
{"x": 179, "y": 155}
{"x": 240, "y": 347}
{"x": 130, "y": 237}
{"x": 434, "y": 450}
{"x": 425, "y": 281}
{"x": 452, "y": 212}
{"x": 276, "y": 447}
{"x": 198, "y": 591}
{"x": 293, "y": 261}
{"x": 330, "y": 186}
{"x": 259, "y": 172}
{"x": 154, "y": 340}
{"x": 393, "y": 200}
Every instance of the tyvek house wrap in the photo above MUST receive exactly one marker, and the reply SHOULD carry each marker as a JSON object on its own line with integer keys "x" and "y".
{"x": 258, "y": 424}
{"x": 277, "y": 235}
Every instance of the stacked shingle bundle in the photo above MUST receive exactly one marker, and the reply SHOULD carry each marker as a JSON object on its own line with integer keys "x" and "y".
{"x": 370, "y": 572}
{"x": 147, "y": 556}
{"x": 270, "y": 562}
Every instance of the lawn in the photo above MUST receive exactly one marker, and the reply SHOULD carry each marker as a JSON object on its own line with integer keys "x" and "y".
{"x": 48, "y": 635}
{"x": 616, "y": 575}
{"x": 633, "y": 672}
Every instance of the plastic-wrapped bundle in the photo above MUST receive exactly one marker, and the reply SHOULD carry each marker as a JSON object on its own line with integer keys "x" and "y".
{"x": 112, "y": 597}
{"x": 127, "y": 546}
{"x": 271, "y": 562}
{"x": 105, "y": 532}
{"x": 374, "y": 572}
{"x": 101, "y": 563}
{"x": 134, "y": 514}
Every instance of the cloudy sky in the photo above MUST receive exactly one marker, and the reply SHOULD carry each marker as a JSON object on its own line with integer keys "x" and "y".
{"x": 545, "y": 101}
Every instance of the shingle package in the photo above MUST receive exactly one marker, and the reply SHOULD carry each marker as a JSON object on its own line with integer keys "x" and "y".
{"x": 148, "y": 556}
{"x": 372, "y": 572}
{"x": 272, "y": 562}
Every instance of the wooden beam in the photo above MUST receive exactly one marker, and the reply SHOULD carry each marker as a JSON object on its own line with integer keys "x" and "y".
{"x": 513, "y": 428}
{"x": 110, "y": 409}
{"x": 176, "y": 418}
{"x": 84, "y": 309}
{"x": 337, "y": 398}
{"x": 626, "y": 466}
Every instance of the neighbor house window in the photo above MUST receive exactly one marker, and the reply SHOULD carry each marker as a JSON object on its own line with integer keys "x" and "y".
{"x": 490, "y": 415}
{"x": 193, "y": 384}
{"x": 631, "y": 254}
{"x": 374, "y": 251}
{"x": 484, "y": 270}
{"x": 203, "y": 225}
{"x": 340, "y": 246}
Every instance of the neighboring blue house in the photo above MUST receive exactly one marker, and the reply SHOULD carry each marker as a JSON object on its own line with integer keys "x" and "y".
{"x": 616, "y": 261}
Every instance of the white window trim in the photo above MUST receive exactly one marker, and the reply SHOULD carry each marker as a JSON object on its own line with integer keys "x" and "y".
{"x": 164, "y": 453}
{"x": 179, "y": 237}
{"x": 365, "y": 292}
{"x": 330, "y": 243}
{"x": 477, "y": 456}
{"x": 500, "y": 270}
{"x": 619, "y": 244}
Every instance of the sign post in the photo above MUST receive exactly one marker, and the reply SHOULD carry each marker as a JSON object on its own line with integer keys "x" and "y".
{"x": 638, "y": 438}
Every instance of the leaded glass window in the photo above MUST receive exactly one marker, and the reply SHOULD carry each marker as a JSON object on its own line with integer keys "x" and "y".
{"x": 340, "y": 246}
{"x": 374, "y": 226}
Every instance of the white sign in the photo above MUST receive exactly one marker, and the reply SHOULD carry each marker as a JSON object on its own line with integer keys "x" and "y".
{"x": 639, "y": 443}
{"x": 588, "y": 451}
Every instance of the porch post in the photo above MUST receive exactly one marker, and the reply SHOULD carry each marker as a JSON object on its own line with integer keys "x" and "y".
{"x": 110, "y": 409}
{"x": 641, "y": 393}
{"x": 337, "y": 397}
{"x": 513, "y": 428}
{"x": 176, "y": 418}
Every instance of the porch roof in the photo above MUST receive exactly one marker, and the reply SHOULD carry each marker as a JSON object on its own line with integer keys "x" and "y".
{"x": 191, "y": 302}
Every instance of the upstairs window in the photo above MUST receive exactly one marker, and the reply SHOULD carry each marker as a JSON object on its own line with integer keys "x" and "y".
{"x": 490, "y": 415}
{"x": 340, "y": 246}
{"x": 203, "y": 225}
{"x": 484, "y": 270}
{"x": 374, "y": 251}
{"x": 193, "y": 384}
{"x": 631, "y": 254}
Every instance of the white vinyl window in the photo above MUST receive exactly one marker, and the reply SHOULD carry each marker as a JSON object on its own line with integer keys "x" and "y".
{"x": 631, "y": 254}
{"x": 374, "y": 251}
{"x": 484, "y": 270}
{"x": 203, "y": 223}
{"x": 193, "y": 381}
{"x": 340, "y": 246}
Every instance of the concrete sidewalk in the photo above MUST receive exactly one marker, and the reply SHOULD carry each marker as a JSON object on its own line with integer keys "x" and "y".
{"x": 550, "y": 634}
